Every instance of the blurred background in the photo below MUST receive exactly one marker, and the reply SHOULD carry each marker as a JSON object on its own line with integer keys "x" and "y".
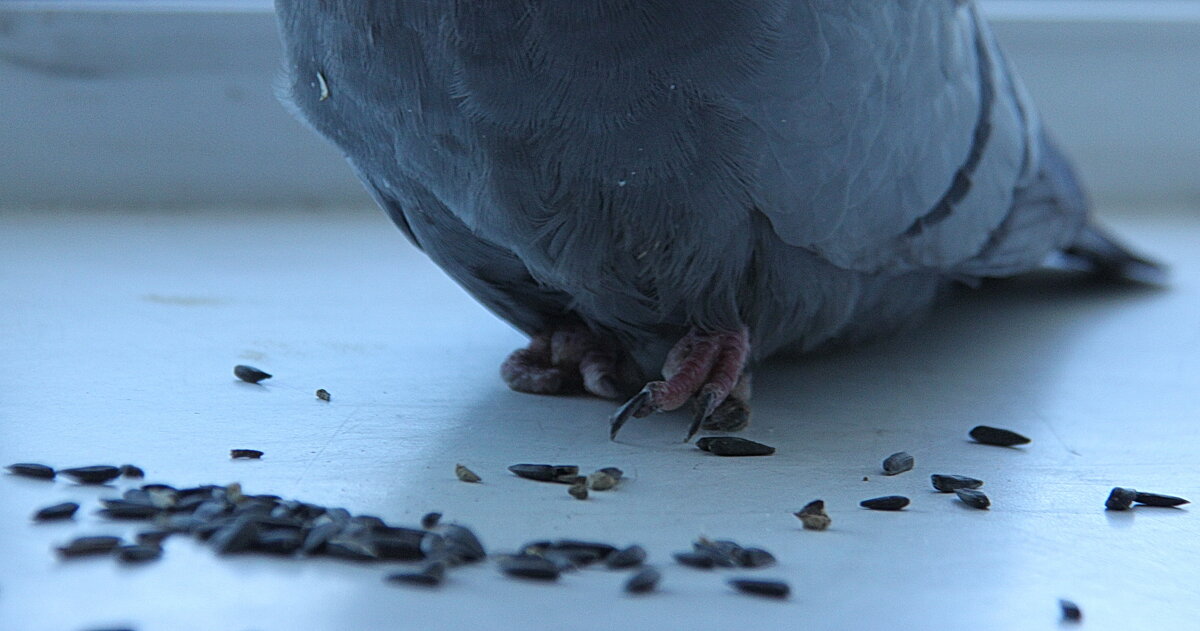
{"x": 145, "y": 103}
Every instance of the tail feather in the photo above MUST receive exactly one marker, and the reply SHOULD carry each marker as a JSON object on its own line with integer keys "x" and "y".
{"x": 1097, "y": 252}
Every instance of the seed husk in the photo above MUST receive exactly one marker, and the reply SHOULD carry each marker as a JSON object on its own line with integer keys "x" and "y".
{"x": 600, "y": 481}
{"x": 754, "y": 557}
{"x": 96, "y": 474}
{"x": 245, "y": 453}
{"x": 1070, "y": 611}
{"x": 132, "y": 471}
{"x": 249, "y": 374}
{"x": 898, "y": 462}
{"x": 31, "y": 470}
{"x": 88, "y": 546}
{"x": 948, "y": 483}
{"x": 138, "y": 553}
{"x": 643, "y": 581}
{"x": 546, "y": 472}
{"x": 529, "y": 566}
{"x": 66, "y": 510}
{"x": 1154, "y": 499}
{"x": 579, "y": 490}
{"x": 1120, "y": 498}
{"x": 813, "y": 516}
{"x": 973, "y": 498}
{"x": 700, "y": 560}
{"x": 759, "y": 587}
{"x": 887, "y": 502}
{"x": 323, "y": 394}
{"x": 733, "y": 446}
{"x": 429, "y": 521}
{"x": 465, "y": 474}
{"x": 612, "y": 472}
{"x": 631, "y": 556}
{"x": 998, "y": 436}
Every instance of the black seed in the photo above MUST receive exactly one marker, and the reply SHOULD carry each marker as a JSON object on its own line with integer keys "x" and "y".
{"x": 401, "y": 544}
{"x": 1070, "y": 611}
{"x": 545, "y": 472}
{"x": 529, "y": 566}
{"x": 632, "y": 556}
{"x": 31, "y": 470}
{"x": 236, "y": 536}
{"x": 461, "y": 545}
{"x": 699, "y": 560}
{"x": 465, "y": 474}
{"x": 319, "y": 535}
{"x": 98, "y": 474}
{"x": 249, "y": 374}
{"x": 644, "y": 581}
{"x": 370, "y": 523}
{"x": 997, "y": 436}
{"x": 613, "y": 473}
{"x": 948, "y": 483}
{"x": 89, "y": 546}
{"x": 245, "y": 453}
{"x": 138, "y": 553}
{"x": 898, "y": 462}
{"x": 125, "y": 509}
{"x": 66, "y": 510}
{"x": 278, "y": 541}
{"x": 567, "y": 560}
{"x": 415, "y": 578}
{"x": 813, "y": 516}
{"x": 1120, "y": 498}
{"x": 570, "y": 479}
{"x": 601, "y": 550}
{"x": 755, "y": 557}
{"x": 152, "y": 537}
{"x": 132, "y": 471}
{"x": 1154, "y": 499}
{"x": 703, "y": 443}
{"x": 430, "y": 520}
{"x": 888, "y": 502}
{"x": 722, "y": 552}
{"x": 579, "y": 490}
{"x": 734, "y": 446}
{"x": 772, "y": 589}
{"x": 323, "y": 394}
{"x": 973, "y": 498}
{"x": 350, "y": 549}
{"x": 600, "y": 481}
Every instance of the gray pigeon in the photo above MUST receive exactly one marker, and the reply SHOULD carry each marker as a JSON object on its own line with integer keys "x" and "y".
{"x": 656, "y": 187}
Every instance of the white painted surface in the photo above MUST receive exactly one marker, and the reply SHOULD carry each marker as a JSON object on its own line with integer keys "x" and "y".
{"x": 119, "y": 332}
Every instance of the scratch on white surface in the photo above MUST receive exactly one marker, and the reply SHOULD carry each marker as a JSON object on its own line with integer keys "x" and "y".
{"x": 328, "y": 441}
{"x": 1054, "y": 431}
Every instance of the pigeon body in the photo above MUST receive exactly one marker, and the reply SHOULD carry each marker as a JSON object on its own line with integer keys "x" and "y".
{"x": 812, "y": 172}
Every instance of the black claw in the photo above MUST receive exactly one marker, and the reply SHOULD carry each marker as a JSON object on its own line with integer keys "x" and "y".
{"x": 630, "y": 409}
{"x": 707, "y": 403}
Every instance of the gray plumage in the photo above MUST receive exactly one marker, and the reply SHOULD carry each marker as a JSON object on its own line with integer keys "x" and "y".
{"x": 814, "y": 170}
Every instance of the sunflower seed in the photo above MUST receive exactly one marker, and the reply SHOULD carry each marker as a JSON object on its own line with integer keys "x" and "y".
{"x": 948, "y": 483}
{"x": 544, "y": 472}
{"x": 236, "y": 536}
{"x": 316, "y": 538}
{"x": 567, "y": 560}
{"x": 461, "y": 544}
{"x": 644, "y": 581}
{"x": 465, "y": 474}
{"x": 350, "y": 549}
{"x": 758, "y": 587}
{"x": 249, "y": 374}
{"x": 66, "y": 510}
{"x": 97, "y": 474}
{"x": 278, "y": 541}
{"x": 152, "y": 537}
{"x": 528, "y": 566}
{"x": 612, "y": 472}
{"x": 430, "y": 520}
{"x": 89, "y": 546}
{"x": 701, "y": 560}
{"x": 132, "y": 471}
{"x": 31, "y": 470}
{"x": 600, "y": 481}
{"x": 813, "y": 516}
{"x": 401, "y": 544}
{"x": 973, "y": 498}
{"x": 733, "y": 446}
{"x": 245, "y": 453}
{"x": 323, "y": 394}
{"x": 1070, "y": 611}
{"x": 579, "y": 490}
{"x": 631, "y": 556}
{"x": 424, "y": 578}
{"x": 1120, "y": 498}
{"x": 898, "y": 462}
{"x": 888, "y": 502}
{"x": 997, "y": 436}
{"x": 125, "y": 509}
{"x": 755, "y": 557}
{"x": 722, "y": 552}
{"x": 1154, "y": 499}
{"x": 138, "y": 553}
